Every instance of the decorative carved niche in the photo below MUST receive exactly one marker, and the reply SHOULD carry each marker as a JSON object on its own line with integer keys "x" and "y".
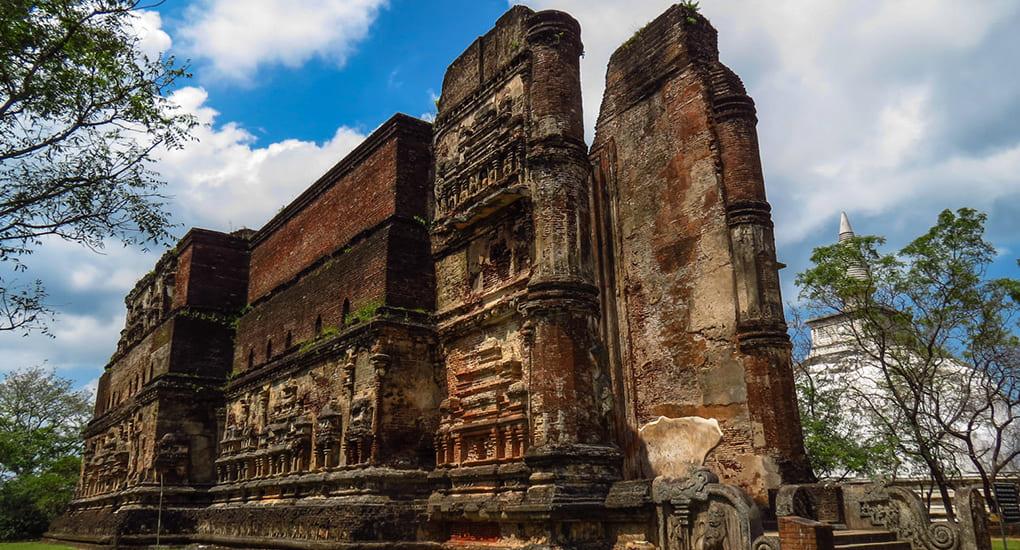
{"x": 485, "y": 421}
{"x": 329, "y": 430}
{"x": 699, "y": 513}
{"x": 482, "y": 150}
{"x": 359, "y": 438}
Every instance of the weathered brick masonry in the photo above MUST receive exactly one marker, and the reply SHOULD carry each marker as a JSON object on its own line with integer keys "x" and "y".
{"x": 480, "y": 332}
{"x": 687, "y": 259}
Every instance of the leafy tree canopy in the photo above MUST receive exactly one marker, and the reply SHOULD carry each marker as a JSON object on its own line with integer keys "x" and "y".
{"x": 41, "y": 418}
{"x": 931, "y": 343}
{"x": 82, "y": 110}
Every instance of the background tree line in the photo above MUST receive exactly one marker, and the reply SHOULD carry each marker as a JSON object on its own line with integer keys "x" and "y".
{"x": 41, "y": 418}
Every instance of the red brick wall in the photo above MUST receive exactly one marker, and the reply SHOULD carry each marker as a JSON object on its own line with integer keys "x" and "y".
{"x": 215, "y": 269}
{"x": 201, "y": 347}
{"x": 147, "y": 359}
{"x": 796, "y": 533}
{"x": 410, "y": 272}
{"x": 212, "y": 271}
{"x": 358, "y": 275}
{"x": 182, "y": 278}
{"x": 359, "y": 234}
{"x": 360, "y": 199}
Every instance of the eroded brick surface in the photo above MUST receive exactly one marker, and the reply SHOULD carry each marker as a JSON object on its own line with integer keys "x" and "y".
{"x": 688, "y": 269}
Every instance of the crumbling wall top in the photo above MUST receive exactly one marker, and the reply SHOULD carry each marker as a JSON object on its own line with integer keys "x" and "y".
{"x": 653, "y": 55}
{"x": 485, "y": 57}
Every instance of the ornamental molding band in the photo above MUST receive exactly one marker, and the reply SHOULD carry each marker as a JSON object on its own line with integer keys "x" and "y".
{"x": 483, "y": 333}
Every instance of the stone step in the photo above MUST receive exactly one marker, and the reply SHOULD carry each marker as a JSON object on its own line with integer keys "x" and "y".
{"x": 858, "y": 536}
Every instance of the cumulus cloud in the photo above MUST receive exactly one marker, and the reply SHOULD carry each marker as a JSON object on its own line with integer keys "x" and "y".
{"x": 79, "y": 347}
{"x": 221, "y": 181}
{"x": 225, "y": 181}
{"x": 147, "y": 26}
{"x": 890, "y": 110}
{"x": 236, "y": 38}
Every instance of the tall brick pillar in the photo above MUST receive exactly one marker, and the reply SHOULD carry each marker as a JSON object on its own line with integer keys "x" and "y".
{"x": 569, "y": 419}
{"x": 761, "y": 325}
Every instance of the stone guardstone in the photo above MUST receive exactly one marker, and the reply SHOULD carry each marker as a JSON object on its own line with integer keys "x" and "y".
{"x": 676, "y": 446}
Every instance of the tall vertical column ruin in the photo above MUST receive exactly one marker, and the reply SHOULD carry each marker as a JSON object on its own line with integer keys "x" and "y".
{"x": 687, "y": 259}
{"x": 569, "y": 401}
{"x": 517, "y": 305}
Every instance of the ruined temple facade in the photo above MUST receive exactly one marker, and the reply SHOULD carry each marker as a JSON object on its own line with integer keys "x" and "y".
{"x": 475, "y": 331}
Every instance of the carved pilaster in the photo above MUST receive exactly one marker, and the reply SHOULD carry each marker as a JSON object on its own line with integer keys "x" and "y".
{"x": 380, "y": 363}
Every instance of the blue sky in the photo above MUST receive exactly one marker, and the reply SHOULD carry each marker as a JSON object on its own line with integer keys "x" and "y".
{"x": 891, "y": 111}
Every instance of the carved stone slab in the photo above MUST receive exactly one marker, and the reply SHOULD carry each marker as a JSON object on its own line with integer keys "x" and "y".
{"x": 677, "y": 446}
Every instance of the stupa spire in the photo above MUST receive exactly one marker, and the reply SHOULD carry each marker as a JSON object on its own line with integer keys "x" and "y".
{"x": 846, "y": 232}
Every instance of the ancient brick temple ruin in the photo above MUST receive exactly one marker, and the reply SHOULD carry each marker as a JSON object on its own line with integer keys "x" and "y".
{"x": 482, "y": 332}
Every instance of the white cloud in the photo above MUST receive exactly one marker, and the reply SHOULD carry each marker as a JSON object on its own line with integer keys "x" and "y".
{"x": 148, "y": 27}
{"x": 86, "y": 332}
{"x": 115, "y": 269}
{"x": 221, "y": 181}
{"x": 890, "y": 109}
{"x": 239, "y": 37}
{"x": 104, "y": 275}
{"x": 79, "y": 347}
{"x": 224, "y": 181}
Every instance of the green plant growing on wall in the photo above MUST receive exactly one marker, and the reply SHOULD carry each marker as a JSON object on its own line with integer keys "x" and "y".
{"x": 363, "y": 313}
{"x": 218, "y": 318}
{"x": 691, "y": 7}
{"x": 236, "y": 318}
{"x": 325, "y": 334}
{"x": 423, "y": 222}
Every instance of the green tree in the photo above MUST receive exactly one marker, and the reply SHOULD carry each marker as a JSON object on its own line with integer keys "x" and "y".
{"x": 926, "y": 326}
{"x": 838, "y": 444}
{"x": 41, "y": 418}
{"x": 82, "y": 110}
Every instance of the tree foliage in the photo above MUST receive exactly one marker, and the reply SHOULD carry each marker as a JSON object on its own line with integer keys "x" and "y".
{"x": 930, "y": 342}
{"x": 41, "y": 418}
{"x": 838, "y": 443}
{"x": 82, "y": 110}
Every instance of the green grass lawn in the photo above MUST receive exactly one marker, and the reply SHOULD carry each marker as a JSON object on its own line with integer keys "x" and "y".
{"x": 1014, "y": 544}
